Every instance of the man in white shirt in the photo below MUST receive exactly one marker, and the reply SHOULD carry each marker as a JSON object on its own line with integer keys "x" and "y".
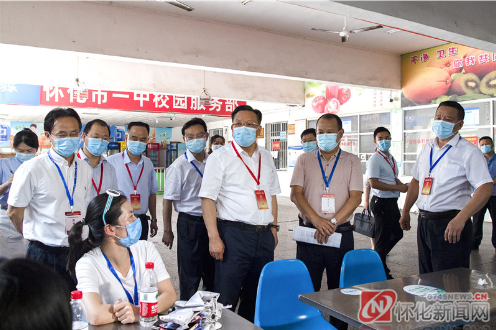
{"x": 239, "y": 188}
{"x": 382, "y": 172}
{"x": 96, "y": 137}
{"x": 50, "y": 193}
{"x": 448, "y": 169}
{"x": 182, "y": 186}
{"x": 136, "y": 176}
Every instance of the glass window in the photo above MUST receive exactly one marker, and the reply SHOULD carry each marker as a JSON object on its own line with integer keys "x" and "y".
{"x": 477, "y": 114}
{"x": 276, "y": 142}
{"x": 350, "y": 124}
{"x": 367, "y": 144}
{"x": 414, "y": 141}
{"x": 312, "y": 123}
{"x": 419, "y": 118}
{"x": 369, "y": 122}
{"x": 349, "y": 143}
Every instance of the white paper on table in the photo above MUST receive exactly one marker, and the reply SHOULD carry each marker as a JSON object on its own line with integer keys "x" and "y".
{"x": 306, "y": 235}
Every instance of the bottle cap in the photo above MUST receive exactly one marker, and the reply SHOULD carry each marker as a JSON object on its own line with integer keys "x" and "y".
{"x": 76, "y": 294}
{"x": 149, "y": 265}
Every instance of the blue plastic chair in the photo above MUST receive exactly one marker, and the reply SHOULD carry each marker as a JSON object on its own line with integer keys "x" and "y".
{"x": 277, "y": 306}
{"x": 361, "y": 266}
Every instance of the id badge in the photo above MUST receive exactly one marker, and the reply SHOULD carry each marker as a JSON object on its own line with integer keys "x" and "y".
{"x": 261, "y": 200}
{"x": 328, "y": 203}
{"x": 71, "y": 218}
{"x": 135, "y": 201}
{"x": 426, "y": 188}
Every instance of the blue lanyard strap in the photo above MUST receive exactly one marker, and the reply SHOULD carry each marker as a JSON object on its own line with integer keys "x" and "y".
{"x": 328, "y": 181}
{"x": 135, "y": 301}
{"x": 71, "y": 197}
{"x": 437, "y": 161}
{"x": 185, "y": 155}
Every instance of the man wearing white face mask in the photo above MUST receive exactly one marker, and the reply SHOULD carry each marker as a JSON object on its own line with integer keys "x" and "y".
{"x": 136, "y": 176}
{"x": 49, "y": 193}
{"x": 239, "y": 204}
{"x": 309, "y": 140}
{"x": 96, "y": 137}
{"x": 448, "y": 169}
{"x": 382, "y": 172}
{"x": 182, "y": 186}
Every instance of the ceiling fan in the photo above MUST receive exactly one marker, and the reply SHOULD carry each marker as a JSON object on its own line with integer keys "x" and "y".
{"x": 345, "y": 34}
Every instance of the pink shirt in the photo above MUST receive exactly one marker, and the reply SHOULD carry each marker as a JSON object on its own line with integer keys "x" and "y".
{"x": 347, "y": 176}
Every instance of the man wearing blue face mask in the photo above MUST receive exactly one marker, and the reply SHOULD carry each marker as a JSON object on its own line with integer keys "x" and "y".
{"x": 136, "y": 176}
{"x": 49, "y": 193}
{"x": 382, "y": 172}
{"x": 448, "y": 169}
{"x": 487, "y": 147}
{"x": 96, "y": 137}
{"x": 309, "y": 140}
{"x": 182, "y": 186}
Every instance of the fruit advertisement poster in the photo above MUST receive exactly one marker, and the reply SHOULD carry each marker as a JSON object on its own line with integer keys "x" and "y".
{"x": 161, "y": 135}
{"x": 449, "y": 72}
{"x": 323, "y": 98}
{"x": 17, "y": 126}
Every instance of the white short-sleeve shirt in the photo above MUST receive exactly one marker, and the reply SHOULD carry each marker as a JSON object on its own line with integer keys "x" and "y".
{"x": 228, "y": 183}
{"x": 94, "y": 275}
{"x": 109, "y": 178}
{"x": 458, "y": 174}
{"x": 183, "y": 182}
{"x": 380, "y": 168}
{"x": 38, "y": 187}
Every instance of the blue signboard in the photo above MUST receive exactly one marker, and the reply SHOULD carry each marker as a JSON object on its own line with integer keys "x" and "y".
{"x": 20, "y": 94}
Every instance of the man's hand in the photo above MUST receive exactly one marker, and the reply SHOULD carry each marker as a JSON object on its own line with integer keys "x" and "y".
{"x": 216, "y": 248}
{"x": 405, "y": 222}
{"x": 321, "y": 238}
{"x": 11, "y": 179}
{"x": 126, "y": 312}
{"x": 168, "y": 238}
{"x": 366, "y": 205}
{"x": 454, "y": 230}
{"x": 274, "y": 232}
{"x": 323, "y": 226}
{"x": 403, "y": 188}
{"x": 153, "y": 228}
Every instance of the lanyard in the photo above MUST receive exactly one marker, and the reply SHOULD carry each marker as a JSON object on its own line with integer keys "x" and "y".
{"x": 185, "y": 155}
{"x": 69, "y": 196}
{"x": 130, "y": 176}
{"x": 437, "y": 161}
{"x": 101, "y": 178}
{"x": 327, "y": 181}
{"x": 387, "y": 160}
{"x": 257, "y": 180}
{"x": 135, "y": 301}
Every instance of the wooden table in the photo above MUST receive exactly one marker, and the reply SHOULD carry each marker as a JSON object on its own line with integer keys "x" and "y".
{"x": 346, "y": 307}
{"x": 229, "y": 321}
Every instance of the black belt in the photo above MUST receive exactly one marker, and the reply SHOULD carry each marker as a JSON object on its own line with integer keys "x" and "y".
{"x": 344, "y": 227}
{"x": 426, "y": 215}
{"x": 51, "y": 249}
{"x": 244, "y": 226}
{"x": 3, "y": 207}
{"x": 191, "y": 217}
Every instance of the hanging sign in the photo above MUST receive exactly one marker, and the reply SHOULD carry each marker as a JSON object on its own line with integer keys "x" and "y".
{"x": 205, "y": 99}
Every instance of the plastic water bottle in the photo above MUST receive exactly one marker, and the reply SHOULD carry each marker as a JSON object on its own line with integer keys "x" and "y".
{"x": 78, "y": 312}
{"x": 148, "y": 296}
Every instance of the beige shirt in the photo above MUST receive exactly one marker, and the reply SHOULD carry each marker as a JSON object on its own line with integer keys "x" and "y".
{"x": 347, "y": 176}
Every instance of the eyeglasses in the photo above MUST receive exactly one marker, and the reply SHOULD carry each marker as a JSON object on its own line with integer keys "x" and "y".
{"x": 198, "y": 136}
{"x": 65, "y": 135}
{"x": 99, "y": 138}
{"x": 111, "y": 194}
{"x": 248, "y": 124}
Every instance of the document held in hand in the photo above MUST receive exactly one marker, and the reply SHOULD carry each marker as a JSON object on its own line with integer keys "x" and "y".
{"x": 306, "y": 235}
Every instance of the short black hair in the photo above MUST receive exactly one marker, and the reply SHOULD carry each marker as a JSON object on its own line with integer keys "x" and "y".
{"x": 486, "y": 138}
{"x": 212, "y": 138}
{"x": 308, "y": 131}
{"x": 247, "y": 108}
{"x": 454, "y": 105}
{"x": 193, "y": 122}
{"x": 139, "y": 123}
{"x": 329, "y": 116}
{"x": 99, "y": 122}
{"x": 35, "y": 126}
{"x": 28, "y": 137}
{"x": 57, "y": 113}
{"x": 381, "y": 129}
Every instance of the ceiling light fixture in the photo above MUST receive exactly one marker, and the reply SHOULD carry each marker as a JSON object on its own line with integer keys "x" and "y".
{"x": 392, "y": 31}
{"x": 244, "y": 2}
{"x": 179, "y": 4}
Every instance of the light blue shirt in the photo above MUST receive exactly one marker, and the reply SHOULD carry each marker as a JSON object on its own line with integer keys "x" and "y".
{"x": 8, "y": 166}
{"x": 491, "y": 164}
{"x": 146, "y": 186}
{"x": 380, "y": 168}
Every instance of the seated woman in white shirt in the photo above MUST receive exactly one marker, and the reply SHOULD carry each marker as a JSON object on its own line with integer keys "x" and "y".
{"x": 108, "y": 265}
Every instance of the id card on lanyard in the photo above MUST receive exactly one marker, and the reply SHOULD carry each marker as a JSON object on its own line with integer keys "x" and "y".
{"x": 135, "y": 198}
{"x": 259, "y": 194}
{"x": 427, "y": 185}
{"x": 185, "y": 155}
{"x": 72, "y": 217}
{"x": 328, "y": 204}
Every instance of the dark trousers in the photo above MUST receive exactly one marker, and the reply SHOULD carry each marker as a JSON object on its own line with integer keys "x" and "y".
{"x": 317, "y": 258}
{"x": 435, "y": 253}
{"x": 53, "y": 257}
{"x": 387, "y": 229}
{"x": 194, "y": 261}
{"x": 236, "y": 276}
{"x": 144, "y": 226}
{"x": 479, "y": 221}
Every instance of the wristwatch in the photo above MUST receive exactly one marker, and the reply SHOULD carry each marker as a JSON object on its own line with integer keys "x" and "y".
{"x": 334, "y": 221}
{"x": 271, "y": 225}
{"x": 153, "y": 220}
